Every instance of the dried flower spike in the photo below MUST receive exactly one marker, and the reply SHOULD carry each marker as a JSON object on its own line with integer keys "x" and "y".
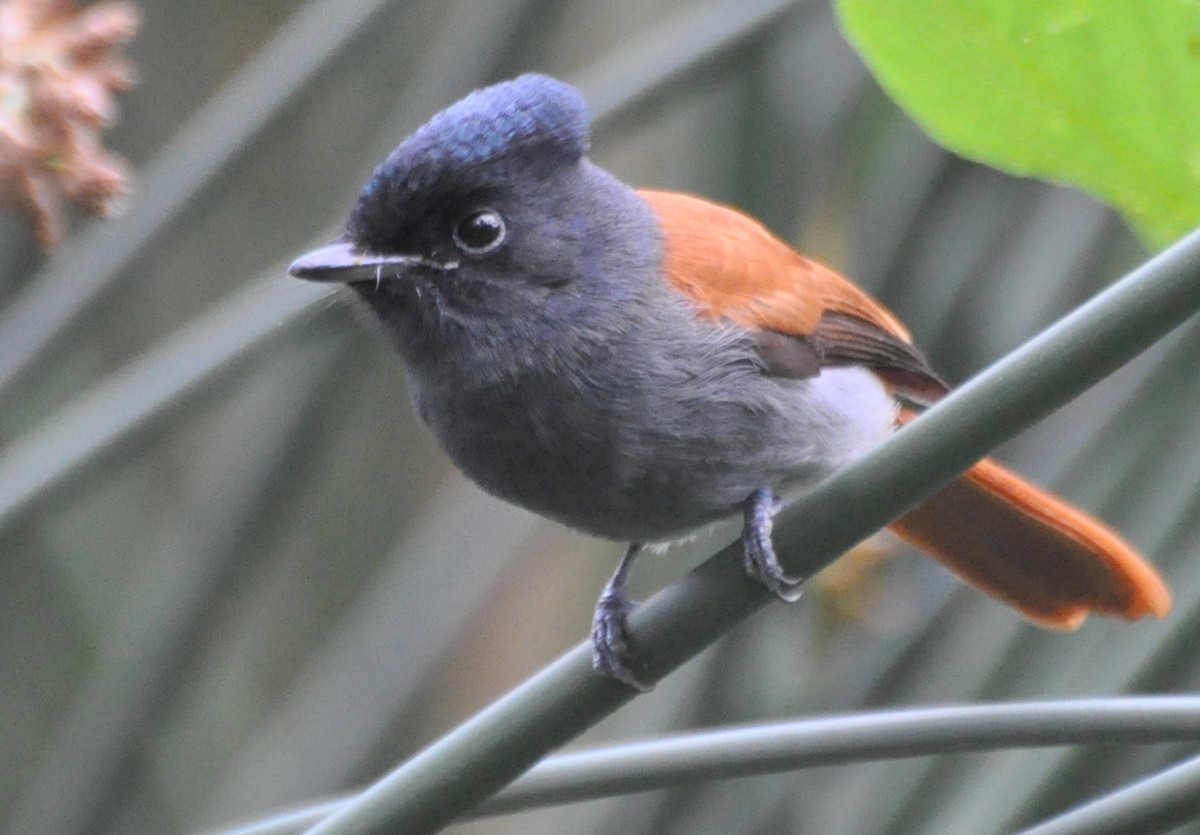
{"x": 60, "y": 67}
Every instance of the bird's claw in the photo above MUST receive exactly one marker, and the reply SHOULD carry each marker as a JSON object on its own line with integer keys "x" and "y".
{"x": 758, "y": 551}
{"x": 611, "y": 653}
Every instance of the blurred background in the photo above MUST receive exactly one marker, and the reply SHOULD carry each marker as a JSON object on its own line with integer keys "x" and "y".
{"x": 235, "y": 573}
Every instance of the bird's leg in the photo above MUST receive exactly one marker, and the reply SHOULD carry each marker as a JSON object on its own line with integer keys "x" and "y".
{"x": 758, "y": 552}
{"x": 611, "y": 654}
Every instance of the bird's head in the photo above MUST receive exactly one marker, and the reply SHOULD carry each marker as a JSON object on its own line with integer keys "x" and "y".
{"x": 489, "y": 225}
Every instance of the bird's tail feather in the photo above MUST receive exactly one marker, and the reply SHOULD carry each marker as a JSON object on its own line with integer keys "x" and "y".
{"x": 1033, "y": 551}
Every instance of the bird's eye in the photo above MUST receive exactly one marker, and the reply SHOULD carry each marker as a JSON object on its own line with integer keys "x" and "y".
{"x": 480, "y": 232}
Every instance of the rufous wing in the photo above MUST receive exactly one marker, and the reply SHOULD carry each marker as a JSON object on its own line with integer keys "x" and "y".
{"x": 1021, "y": 544}
{"x": 734, "y": 269}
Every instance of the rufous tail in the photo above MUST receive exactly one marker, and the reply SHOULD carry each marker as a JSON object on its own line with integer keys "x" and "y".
{"x": 1033, "y": 551}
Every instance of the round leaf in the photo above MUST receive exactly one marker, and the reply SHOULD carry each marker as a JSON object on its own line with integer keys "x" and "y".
{"x": 1098, "y": 94}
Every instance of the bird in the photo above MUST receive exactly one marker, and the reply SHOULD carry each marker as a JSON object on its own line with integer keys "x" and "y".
{"x": 637, "y": 364}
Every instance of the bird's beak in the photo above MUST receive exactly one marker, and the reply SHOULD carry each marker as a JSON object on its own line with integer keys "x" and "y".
{"x": 343, "y": 264}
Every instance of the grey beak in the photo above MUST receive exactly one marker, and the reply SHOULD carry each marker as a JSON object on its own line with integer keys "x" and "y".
{"x": 343, "y": 264}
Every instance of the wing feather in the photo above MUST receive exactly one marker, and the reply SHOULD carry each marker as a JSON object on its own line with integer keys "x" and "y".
{"x": 735, "y": 269}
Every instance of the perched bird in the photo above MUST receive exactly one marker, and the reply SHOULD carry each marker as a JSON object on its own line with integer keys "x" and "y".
{"x": 635, "y": 364}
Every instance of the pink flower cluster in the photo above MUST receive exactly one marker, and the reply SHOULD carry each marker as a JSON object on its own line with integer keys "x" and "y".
{"x": 60, "y": 68}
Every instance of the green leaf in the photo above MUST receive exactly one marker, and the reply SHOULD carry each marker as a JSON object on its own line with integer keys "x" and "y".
{"x": 1099, "y": 94}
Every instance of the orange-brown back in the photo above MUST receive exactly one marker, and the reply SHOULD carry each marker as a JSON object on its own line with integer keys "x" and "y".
{"x": 735, "y": 269}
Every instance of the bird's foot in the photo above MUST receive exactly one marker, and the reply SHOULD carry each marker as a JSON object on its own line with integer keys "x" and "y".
{"x": 611, "y": 653}
{"x": 758, "y": 552}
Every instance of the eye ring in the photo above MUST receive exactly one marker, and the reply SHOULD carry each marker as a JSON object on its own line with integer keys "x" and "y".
{"x": 480, "y": 231}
